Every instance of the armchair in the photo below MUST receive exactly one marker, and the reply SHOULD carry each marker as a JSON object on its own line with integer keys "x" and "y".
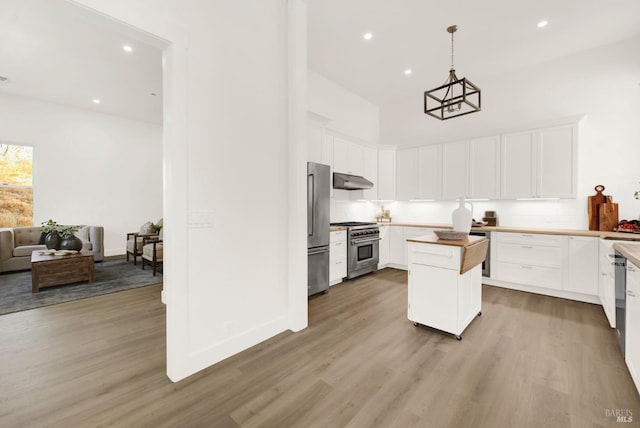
{"x": 135, "y": 240}
{"x": 152, "y": 251}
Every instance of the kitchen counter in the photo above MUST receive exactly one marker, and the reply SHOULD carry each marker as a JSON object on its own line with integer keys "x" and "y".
{"x": 337, "y": 228}
{"x": 630, "y": 251}
{"x": 622, "y": 236}
{"x": 474, "y": 248}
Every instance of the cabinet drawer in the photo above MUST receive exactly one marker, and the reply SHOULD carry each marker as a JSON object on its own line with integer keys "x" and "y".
{"x": 339, "y": 235}
{"x": 534, "y": 255}
{"x": 435, "y": 255}
{"x": 530, "y": 239}
{"x": 538, "y": 276}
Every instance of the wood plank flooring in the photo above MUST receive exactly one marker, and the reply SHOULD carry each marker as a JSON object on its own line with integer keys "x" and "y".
{"x": 528, "y": 361}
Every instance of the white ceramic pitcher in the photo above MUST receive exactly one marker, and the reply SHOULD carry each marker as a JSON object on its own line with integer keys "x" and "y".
{"x": 462, "y": 216}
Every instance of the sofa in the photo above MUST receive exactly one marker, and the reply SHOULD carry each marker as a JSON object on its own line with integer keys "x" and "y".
{"x": 17, "y": 244}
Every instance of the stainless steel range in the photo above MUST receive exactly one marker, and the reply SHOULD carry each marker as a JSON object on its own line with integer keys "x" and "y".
{"x": 363, "y": 247}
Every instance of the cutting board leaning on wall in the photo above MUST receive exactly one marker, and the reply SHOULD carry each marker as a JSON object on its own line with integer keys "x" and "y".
{"x": 603, "y": 212}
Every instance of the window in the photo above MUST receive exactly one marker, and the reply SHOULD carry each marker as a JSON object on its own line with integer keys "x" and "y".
{"x": 16, "y": 185}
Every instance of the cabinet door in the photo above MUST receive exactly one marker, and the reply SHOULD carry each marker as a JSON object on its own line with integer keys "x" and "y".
{"x": 430, "y": 172}
{"x": 314, "y": 143}
{"x": 632, "y": 335}
{"x": 484, "y": 168}
{"x": 340, "y": 155}
{"x": 407, "y": 174}
{"x": 370, "y": 171}
{"x": 455, "y": 170}
{"x": 517, "y": 165}
{"x": 386, "y": 175}
{"x": 433, "y": 297}
{"x": 355, "y": 160}
{"x": 396, "y": 246}
{"x": 556, "y": 170}
{"x": 384, "y": 246}
{"x": 583, "y": 265}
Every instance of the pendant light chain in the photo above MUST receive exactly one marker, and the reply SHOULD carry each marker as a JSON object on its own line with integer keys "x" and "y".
{"x": 452, "y": 67}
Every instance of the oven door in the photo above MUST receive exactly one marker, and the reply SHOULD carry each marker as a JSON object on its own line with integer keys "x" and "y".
{"x": 363, "y": 256}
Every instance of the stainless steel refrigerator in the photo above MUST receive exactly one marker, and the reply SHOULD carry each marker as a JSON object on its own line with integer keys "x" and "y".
{"x": 318, "y": 187}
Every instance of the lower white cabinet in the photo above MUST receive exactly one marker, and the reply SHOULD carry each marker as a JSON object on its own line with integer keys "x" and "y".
{"x": 412, "y": 232}
{"x": 632, "y": 323}
{"x": 606, "y": 280}
{"x": 337, "y": 256}
{"x": 583, "y": 265}
{"x": 384, "y": 247}
{"x": 396, "y": 246}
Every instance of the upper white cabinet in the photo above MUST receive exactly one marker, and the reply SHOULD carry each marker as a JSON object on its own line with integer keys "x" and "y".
{"x": 407, "y": 174}
{"x": 386, "y": 174}
{"x": 484, "y": 168}
{"x": 430, "y": 172}
{"x": 455, "y": 170}
{"x": 347, "y": 157}
{"x": 370, "y": 171}
{"x": 540, "y": 164}
{"x": 314, "y": 143}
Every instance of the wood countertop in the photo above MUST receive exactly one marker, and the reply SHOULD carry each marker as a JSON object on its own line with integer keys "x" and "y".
{"x": 622, "y": 236}
{"x": 337, "y": 228}
{"x": 630, "y": 251}
{"x": 433, "y": 239}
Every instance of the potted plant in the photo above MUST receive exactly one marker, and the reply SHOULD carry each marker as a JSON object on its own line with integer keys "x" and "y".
{"x": 52, "y": 239}
{"x": 69, "y": 240}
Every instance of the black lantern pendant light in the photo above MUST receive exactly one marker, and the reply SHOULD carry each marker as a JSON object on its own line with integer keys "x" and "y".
{"x": 456, "y": 97}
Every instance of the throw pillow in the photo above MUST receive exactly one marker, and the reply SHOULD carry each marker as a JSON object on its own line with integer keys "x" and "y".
{"x": 146, "y": 228}
{"x": 43, "y": 235}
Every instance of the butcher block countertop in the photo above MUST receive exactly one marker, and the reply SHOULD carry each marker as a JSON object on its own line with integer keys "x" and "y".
{"x": 622, "y": 236}
{"x": 337, "y": 228}
{"x": 630, "y": 251}
{"x": 433, "y": 239}
{"x": 474, "y": 248}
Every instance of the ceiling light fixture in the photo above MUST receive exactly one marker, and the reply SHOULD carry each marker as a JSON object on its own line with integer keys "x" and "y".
{"x": 542, "y": 24}
{"x": 96, "y": 101}
{"x": 408, "y": 71}
{"x": 127, "y": 48}
{"x": 367, "y": 36}
{"x": 456, "y": 97}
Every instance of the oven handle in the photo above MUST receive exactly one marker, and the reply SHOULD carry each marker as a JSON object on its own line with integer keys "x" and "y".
{"x": 363, "y": 241}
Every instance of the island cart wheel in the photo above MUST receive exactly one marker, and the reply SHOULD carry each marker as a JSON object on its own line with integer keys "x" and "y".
{"x": 480, "y": 313}
{"x": 458, "y": 337}
{"x": 415, "y": 324}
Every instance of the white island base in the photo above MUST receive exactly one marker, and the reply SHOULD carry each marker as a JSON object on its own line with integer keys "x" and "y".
{"x": 445, "y": 282}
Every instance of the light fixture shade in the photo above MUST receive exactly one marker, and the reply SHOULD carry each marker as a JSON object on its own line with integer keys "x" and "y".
{"x": 455, "y": 98}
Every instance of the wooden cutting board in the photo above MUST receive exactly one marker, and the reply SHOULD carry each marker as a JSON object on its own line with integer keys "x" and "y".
{"x": 594, "y": 212}
{"x": 608, "y": 215}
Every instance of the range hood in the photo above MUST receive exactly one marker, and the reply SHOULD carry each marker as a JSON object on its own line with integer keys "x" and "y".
{"x": 350, "y": 182}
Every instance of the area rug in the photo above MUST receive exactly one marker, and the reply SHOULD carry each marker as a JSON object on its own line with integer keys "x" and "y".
{"x": 110, "y": 277}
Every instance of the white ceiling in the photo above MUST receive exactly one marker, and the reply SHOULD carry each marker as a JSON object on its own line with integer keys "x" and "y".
{"x": 55, "y": 51}
{"x": 494, "y": 36}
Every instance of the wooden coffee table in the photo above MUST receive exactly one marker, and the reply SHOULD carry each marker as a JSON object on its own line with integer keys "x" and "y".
{"x": 49, "y": 270}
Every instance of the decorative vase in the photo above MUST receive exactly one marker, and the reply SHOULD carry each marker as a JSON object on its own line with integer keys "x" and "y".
{"x": 461, "y": 217}
{"x": 71, "y": 242}
{"x": 53, "y": 240}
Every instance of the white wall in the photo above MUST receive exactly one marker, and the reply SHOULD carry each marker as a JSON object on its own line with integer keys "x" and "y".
{"x": 602, "y": 84}
{"x": 226, "y": 173}
{"x": 348, "y": 113}
{"x": 89, "y": 168}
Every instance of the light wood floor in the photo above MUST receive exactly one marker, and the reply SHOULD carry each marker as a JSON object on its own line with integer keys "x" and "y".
{"x": 529, "y": 361}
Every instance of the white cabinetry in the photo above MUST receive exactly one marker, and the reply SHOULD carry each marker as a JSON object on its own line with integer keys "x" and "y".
{"x": 583, "y": 265}
{"x": 412, "y": 232}
{"x": 384, "y": 247}
{"x": 530, "y": 259}
{"x": 455, "y": 170}
{"x": 484, "y": 168}
{"x": 370, "y": 171}
{"x": 430, "y": 172}
{"x": 347, "y": 156}
{"x": 606, "y": 280}
{"x": 539, "y": 164}
{"x": 337, "y": 256}
{"x": 632, "y": 323}
{"x": 407, "y": 174}
{"x": 386, "y": 174}
{"x": 396, "y": 247}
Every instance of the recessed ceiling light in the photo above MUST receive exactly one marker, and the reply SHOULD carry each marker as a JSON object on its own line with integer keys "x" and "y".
{"x": 542, "y": 24}
{"x": 127, "y": 48}
{"x": 408, "y": 71}
{"x": 96, "y": 101}
{"x": 367, "y": 36}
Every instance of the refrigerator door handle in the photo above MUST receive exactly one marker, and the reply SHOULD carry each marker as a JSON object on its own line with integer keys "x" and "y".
{"x": 310, "y": 203}
{"x": 319, "y": 251}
